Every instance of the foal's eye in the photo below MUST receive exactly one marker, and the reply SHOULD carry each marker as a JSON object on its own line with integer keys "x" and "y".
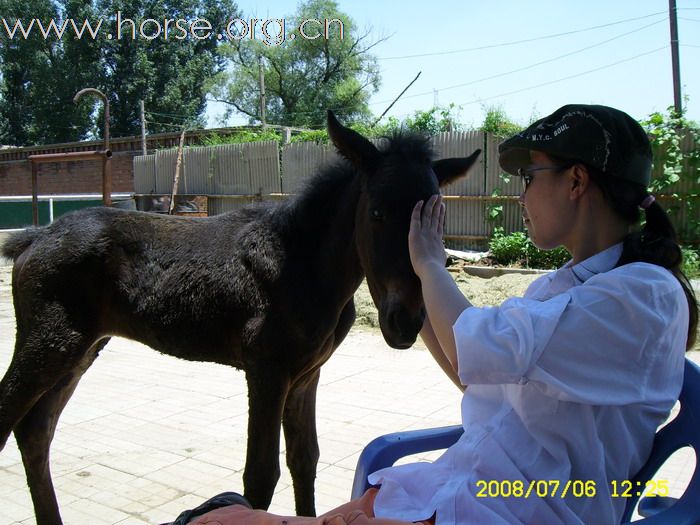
{"x": 377, "y": 215}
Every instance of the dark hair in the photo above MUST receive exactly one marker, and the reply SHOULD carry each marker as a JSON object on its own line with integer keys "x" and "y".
{"x": 655, "y": 243}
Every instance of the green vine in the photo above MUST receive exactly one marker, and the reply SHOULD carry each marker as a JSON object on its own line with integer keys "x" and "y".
{"x": 676, "y": 144}
{"x": 494, "y": 209}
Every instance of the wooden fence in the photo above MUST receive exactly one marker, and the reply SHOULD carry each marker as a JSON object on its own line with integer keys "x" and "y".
{"x": 231, "y": 176}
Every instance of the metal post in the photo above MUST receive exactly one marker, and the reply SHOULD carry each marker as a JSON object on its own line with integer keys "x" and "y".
{"x": 107, "y": 180}
{"x": 106, "y": 162}
{"x": 143, "y": 129}
{"x": 675, "y": 61}
{"x": 262, "y": 91}
{"x": 35, "y": 196}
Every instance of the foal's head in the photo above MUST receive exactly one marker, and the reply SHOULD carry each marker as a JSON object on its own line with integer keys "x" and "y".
{"x": 393, "y": 179}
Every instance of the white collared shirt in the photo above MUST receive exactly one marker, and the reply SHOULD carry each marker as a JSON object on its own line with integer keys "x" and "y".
{"x": 567, "y": 384}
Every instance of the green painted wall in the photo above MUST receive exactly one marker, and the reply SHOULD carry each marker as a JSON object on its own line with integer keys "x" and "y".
{"x": 15, "y": 214}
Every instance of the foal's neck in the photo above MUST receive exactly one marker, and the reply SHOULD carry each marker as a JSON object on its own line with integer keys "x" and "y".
{"x": 323, "y": 222}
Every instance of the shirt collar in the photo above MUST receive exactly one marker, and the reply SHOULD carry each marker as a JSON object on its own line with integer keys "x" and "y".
{"x": 600, "y": 262}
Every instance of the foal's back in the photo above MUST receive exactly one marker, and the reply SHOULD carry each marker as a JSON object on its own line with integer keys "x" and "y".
{"x": 184, "y": 286}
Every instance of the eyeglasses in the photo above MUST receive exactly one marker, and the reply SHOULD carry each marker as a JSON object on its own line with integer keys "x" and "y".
{"x": 527, "y": 174}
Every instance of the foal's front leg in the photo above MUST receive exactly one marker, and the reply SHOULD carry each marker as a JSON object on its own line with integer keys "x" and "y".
{"x": 300, "y": 422}
{"x": 267, "y": 391}
{"x": 301, "y": 437}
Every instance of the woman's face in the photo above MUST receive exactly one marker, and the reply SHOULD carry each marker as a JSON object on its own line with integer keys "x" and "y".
{"x": 547, "y": 207}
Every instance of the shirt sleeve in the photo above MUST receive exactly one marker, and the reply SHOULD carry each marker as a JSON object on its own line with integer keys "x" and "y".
{"x": 597, "y": 343}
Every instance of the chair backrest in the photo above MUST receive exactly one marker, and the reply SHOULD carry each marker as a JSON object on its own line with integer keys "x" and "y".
{"x": 683, "y": 431}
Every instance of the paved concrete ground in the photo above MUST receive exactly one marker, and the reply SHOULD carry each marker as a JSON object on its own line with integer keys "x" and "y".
{"x": 146, "y": 436}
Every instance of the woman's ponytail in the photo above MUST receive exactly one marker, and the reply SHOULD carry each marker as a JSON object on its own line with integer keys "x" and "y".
{"x": 657, "y": 241}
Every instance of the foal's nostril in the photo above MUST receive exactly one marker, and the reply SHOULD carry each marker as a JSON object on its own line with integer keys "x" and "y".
{"x": 404, "y": 326}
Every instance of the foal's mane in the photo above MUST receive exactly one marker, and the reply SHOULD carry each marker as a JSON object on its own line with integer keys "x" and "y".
{"x": 409, "y": 145}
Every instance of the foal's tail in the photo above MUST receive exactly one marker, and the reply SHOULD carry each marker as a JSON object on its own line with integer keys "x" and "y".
{"x": 18, "y": 242}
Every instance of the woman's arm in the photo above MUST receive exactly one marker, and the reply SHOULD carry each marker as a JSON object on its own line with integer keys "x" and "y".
{"x": 428, "y": 336}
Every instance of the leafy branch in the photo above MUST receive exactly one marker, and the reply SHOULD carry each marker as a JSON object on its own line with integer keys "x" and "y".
{"x": 676, "y": 144}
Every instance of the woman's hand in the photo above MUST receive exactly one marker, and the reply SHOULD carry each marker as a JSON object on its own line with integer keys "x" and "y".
{"x": 425, "y": 235}
{"x": 443, "y": 300}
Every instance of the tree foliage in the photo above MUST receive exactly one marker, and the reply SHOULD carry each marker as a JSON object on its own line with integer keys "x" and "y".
{"x": 498, "y": 123}
{"x": 40, "y": 76}
{"x": 676, "y": 144}
{"x": 438, "y": 119}
{"x": 303, "y": 77}
{"x": 170, "y": 75}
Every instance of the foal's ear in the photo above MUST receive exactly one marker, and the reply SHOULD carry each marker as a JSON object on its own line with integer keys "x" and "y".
{"x": 351, "y": 145}
{"x": 449, "y": 170}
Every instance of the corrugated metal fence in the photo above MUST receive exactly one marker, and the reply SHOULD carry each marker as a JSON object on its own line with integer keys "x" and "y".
{"x": 233, "y": 175}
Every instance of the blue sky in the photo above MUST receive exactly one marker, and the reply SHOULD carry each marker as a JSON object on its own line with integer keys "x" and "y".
{"x": 625, "y": 64}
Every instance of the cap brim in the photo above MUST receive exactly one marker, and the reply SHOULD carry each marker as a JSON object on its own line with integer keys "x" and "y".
{"x": 513, "y": 158}
{"x": 514, "y": 153}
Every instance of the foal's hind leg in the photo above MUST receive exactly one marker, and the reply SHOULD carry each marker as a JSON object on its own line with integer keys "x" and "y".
{"x": 35, "y": 432}
{"x": 31, "y": 373}
{"x": 15, "y": 398}
{"x": 300, "y": 435}
{"x": 46, "y": 349}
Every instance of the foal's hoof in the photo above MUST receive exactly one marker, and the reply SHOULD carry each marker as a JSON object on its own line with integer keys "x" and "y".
{"x": 220, "y": 500}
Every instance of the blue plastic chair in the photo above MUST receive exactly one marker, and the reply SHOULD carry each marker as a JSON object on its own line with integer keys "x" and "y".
{"x": 683, "y": 431}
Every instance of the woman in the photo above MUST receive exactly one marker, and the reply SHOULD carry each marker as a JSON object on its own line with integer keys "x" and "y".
{"x": 568, "y": 384}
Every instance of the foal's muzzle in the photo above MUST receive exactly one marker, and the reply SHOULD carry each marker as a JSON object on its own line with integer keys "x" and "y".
{"x": 400, "y": 325}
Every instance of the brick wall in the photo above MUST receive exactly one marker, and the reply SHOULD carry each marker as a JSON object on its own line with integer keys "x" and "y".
{"x": 86, "y": 176}
{"x": 57, "y": 178}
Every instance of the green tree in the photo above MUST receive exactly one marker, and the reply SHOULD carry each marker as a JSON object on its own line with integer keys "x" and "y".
{"x": 497, "y": 122}
{"x": 170, "y": 75}
{"x": 303, "y": 77}
{"x": 676, "y": 146}
{"x": 435, "y": 120}
{"x": 41, "y": 75}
